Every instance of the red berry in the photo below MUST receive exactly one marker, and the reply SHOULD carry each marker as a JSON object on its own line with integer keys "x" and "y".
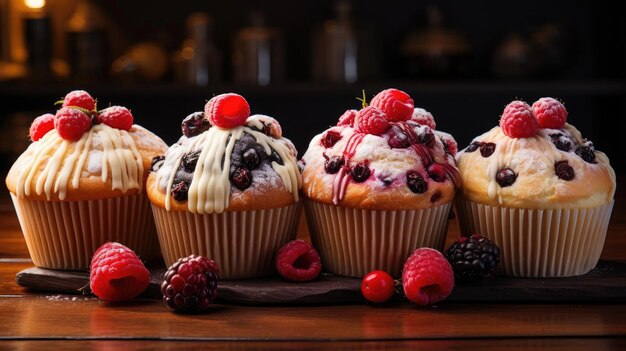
{"x": 227, "y": 110}
{"x": 79, "y": 98}
{"x": 371, "y": 120}
{"x": 330, "y": 138}
{"x": 427, "y": 277}
{"x": 40, "y": 126}
{"x": 518, "y": 121}
{"x": 377, "y": 286}
{"x": 71, "y": 123}
{"x": 550, "y": 113}
{"x": 347, "y": 119}
{"x": 190, "y": 284}
{"x": 116, "y": 117}
{"x": 397, "y": 104}
{"x": 436, "y": 172}
{"x": 423, "y": 117}
{"x": 297, "y": 261}
{"x": 117, "y": 274}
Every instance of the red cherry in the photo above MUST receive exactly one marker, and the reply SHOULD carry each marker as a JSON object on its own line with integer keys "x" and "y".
{"x": 227, "y": 110}
{"x": 377, "y": 286}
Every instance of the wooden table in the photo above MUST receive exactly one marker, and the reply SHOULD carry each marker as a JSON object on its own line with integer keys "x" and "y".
{"x": 46, "y": 321}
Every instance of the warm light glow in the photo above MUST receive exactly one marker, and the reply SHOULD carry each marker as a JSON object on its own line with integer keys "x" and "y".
{"x": 35, "y": 4}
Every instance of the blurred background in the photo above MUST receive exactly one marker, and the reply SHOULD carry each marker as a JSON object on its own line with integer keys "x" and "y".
{"x": 305, "y": 62}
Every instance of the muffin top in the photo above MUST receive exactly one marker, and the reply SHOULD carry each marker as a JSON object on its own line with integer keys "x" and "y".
{"x": 226, "y": 160}
{"x": 385, "y": 156}
{"x": 535, "y": 160}
{"x": 81, "y": 153}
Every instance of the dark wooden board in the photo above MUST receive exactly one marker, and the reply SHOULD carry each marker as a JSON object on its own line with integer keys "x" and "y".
{"x": 607, "y": 282}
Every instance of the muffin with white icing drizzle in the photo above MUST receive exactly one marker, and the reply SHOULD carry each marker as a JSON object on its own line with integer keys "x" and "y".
{"x": 228, "y": 189}
{"x": 80, "y": 184}
{"x": 379, "y": 185}
{"x": 539, "y": 190}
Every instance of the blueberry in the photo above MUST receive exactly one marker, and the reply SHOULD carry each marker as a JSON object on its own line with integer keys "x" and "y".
{"x": 189, "y": 161}
{"x": 242, "y": 178}
{"x": 506, "y": 177}
{"x": 180, "y": 191}
{"x": 195, "y": 124}
{"x": 563, "y": 170}
{"x": 251, "y": 158}
{"x": 487, "y": 149}
{"x": 416, "y": 183}
{"x": 333, "y": 164}
{"x": 586, "y": 153}
{"x": 360, "y": 172}
{"x": 473, "y": 146}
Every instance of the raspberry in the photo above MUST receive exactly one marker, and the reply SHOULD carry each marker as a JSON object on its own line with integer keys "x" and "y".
{"x": 117, "y": 274}
{"x": 330, "y": 138}
{"x": 550, "y": 113}
{"x": 518, "y": 121}
{"x": 397, "y": 104}
{"x": 436, "y": 172}
{"x": 297, "y": 261}
{"x": 190, "y": 284}
{"x": 347, "y": 119}
{"x": 116, "y": 117}
{"x": 449, "y": 144}
{"x": 79, "y": 98}
{"x": 40, "y": 126}
{"x": 71, "y": 123}
{"x": 473, "y": 258}
{"x": 427, "y": 277}
{"x": 377, "y": 286}
{"x": 423, "y": 117}
{"x": 194, "y": 124}
{"x": 371, "y": 120}
{"x": 227, "y": 110}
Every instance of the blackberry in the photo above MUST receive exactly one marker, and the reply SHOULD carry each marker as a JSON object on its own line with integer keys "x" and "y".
{"x": 195, "y": 124}
{"x": 473, "y": 258}
{"x": 190, "y": 284}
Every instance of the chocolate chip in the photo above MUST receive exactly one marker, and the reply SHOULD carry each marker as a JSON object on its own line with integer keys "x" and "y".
{"x": 487, "y": 149}
{"x": 416, "y": 183}
{"x": 506, "y": 177}
{"x": 563, "y": 170}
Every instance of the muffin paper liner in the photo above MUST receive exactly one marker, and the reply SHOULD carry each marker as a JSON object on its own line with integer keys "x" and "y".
{"x": 540, "y": 243}
{"x": 243, "y": 243}
{"x": 65, "y": 234}
{"x": 353, "y": 242}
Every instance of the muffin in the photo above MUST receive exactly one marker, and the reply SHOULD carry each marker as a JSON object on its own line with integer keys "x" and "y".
{"x": 228, "y": 189}
{"x": 379, "y": 185}
{"x": 80, "y": 184}
{"x": 539, "y": 190}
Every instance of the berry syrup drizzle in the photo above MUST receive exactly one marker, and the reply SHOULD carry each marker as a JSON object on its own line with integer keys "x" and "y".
{"x": 340, "y": 184}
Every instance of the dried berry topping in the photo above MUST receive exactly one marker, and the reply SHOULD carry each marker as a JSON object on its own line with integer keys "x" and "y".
{"x": 436, "y": 173}
{"x": 195, "y": 124}
{"x": 399, "y": 141}
{"x": 242, "y": 178}
{"x": 330, "y": 138}
{"x": 360, "y": 172}
{"x": 586, "y": 153}
{"x": 334, "y": 164}
{"x": 487, "y": 149}
{"x": 189, "y": 161}
{"x": 561, "y": 141}
{"x": 473, "y": 146}
{"x": 506, "y": 177}
{"x": 427, "y": 138}
{"x": 251, "y": 158}
{"x": 275, "y": 157}
{"x": 436, "y": 196}
{"x": 416, "y": 183}
{"x": 180, "y": 191}
{"x": 157, "y": 163}
{"x": 563, "y": 170}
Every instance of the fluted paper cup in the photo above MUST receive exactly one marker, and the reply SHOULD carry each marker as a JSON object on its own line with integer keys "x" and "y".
{"x": 65, "y": 234}
{"x": 353, "y": 242}
{"x": 243, "y": 243}
{"x": 540, "y": 243}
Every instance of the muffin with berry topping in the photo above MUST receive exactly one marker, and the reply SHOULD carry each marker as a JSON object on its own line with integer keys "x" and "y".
{"x": 379, "y": 185}
{"x": 227, "y": 190}
{"x": 80, "y": 184}
{"x": 538, "y": 190}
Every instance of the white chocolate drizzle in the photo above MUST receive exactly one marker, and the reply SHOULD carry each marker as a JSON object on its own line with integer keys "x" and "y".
{"x": 61, "y": 167}
{"x": 209, "y": 191}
